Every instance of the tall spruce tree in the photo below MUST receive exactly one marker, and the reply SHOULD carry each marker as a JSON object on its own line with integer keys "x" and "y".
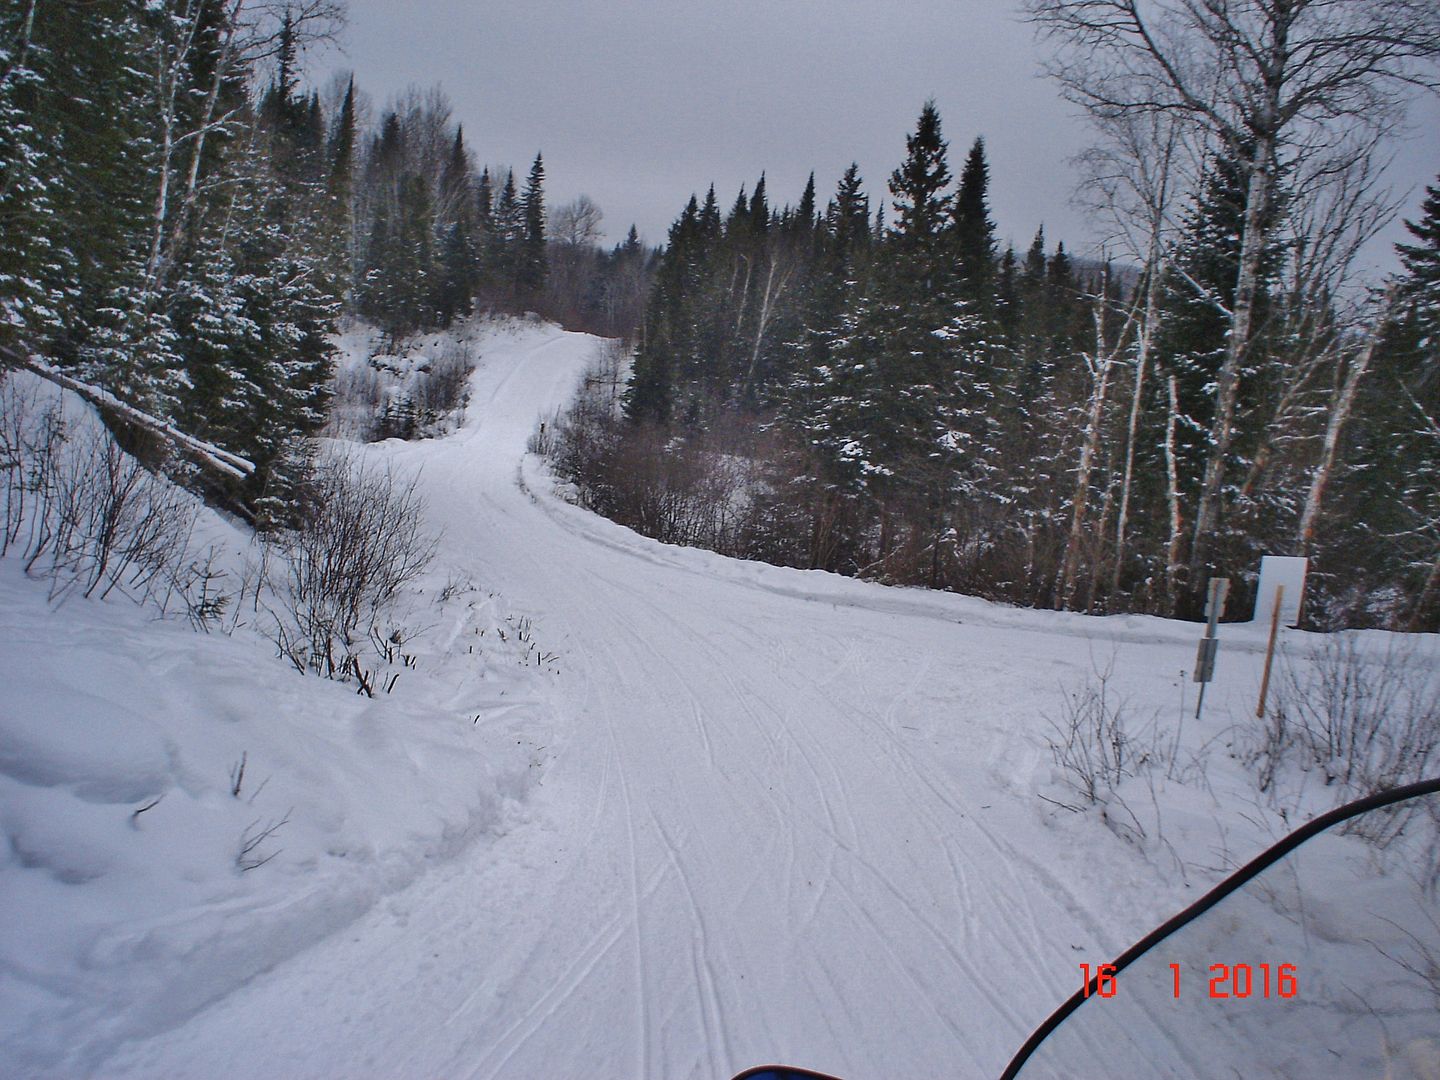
{"x": 902, "y": 336}
{"x": 532, "y": 266}
{"x": 77, "y": 151}
{"x": 457, "y": 272}
{"x": 341, "y": 192}
{"x": 975, "y": 234}
{"x": 825, "y": 399}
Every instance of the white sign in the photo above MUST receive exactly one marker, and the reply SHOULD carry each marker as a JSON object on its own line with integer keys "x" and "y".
{"x": 1277, "y": 571}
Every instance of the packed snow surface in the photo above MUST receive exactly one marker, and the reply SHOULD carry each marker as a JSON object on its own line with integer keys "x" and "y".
{"x": 733, "y": 814}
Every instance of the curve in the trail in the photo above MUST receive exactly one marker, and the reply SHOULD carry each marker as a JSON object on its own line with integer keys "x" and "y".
{"x": 762, "y": 836}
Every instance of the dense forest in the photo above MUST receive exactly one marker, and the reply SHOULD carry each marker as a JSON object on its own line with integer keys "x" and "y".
{"x": 875, "y": 386}
{"x": 184, "y": 222}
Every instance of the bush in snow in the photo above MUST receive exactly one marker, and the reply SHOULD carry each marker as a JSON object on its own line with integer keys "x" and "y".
{"x": 721, "y": 485}
{"x": 1365, "y": 720}
{"x": 1091, "y": 742}
{"x": 359, "y": 541}
{"x": 80, "y": 511}
{"x": 418, "y": 390}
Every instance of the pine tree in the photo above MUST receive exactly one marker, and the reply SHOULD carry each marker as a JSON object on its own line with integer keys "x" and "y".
{"x": 506, "y": 239}
{"x": 922, "y": 203}
{"x": 804, "y": 220}
{"x": 532, "y": 267}
{"x": 759, "y": 216}
{"x": 975, "y": 234}
{"x": 821, "y": 403}
{"x": 1007, "y": 301}
{"x": 1420, "y": 286}
{"x": 340, "y": 190}
{"x": 342, "y": 149}
{"x": 666, "y": 358}
{"x": 906, "y": 408}
{"x": 36, "y": 288}
{"x": 457, "y": 274}
{"x": 76, "y": 154}
{"x": 485, "y": 199}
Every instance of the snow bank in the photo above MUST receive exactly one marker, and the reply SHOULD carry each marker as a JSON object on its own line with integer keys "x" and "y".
{"x": 785, "y": 815}
{"x": 181, "y": 811}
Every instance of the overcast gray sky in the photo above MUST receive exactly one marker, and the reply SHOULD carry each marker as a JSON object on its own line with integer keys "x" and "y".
{"x": 637, "y": 103}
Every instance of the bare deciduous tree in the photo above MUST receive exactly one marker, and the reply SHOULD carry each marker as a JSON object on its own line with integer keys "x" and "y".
{"x": 576, "y": 223}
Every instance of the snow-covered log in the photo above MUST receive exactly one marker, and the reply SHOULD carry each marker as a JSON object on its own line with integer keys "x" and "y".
{"x": 207, "y": 454}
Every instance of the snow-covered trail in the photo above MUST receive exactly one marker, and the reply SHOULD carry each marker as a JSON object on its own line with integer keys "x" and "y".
{"x": 775, "y": 825}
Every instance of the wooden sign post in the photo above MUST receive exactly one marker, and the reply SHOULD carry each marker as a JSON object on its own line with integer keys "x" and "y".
{"x": 1270, "y": 650}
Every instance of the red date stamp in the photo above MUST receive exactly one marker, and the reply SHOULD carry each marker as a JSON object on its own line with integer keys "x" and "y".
{"x": 1227, "y": 981}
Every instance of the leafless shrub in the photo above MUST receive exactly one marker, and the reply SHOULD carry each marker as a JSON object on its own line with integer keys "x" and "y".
{"x": 360, "y": 540}
{"x": 1366, "y": 721}
{"x": 80, "y": 511}
{"x": 441, "y": 389}
{"x": 1091, "y": 743}
{"x": 384, "y": 399}
{"x": 453, "y": 587}
{"x": 355, "y": 403}
{"x": 722, "y": 485}
{"x": 18, "y": 456}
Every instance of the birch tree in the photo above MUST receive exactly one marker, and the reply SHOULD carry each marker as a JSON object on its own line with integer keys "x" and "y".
{"x": 1130, "y": 184}
{"x": 1298, "y": 85}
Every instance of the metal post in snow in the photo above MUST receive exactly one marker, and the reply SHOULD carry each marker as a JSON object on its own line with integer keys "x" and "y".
{"x": 1210, "y": 644}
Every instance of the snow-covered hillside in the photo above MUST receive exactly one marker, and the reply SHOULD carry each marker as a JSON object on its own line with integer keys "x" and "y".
{"x": 686, "y": 815}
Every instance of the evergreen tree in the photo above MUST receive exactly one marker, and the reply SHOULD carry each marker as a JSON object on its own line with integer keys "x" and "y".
{"x": 915, "y": 407}
{"x": 975, "y": 233}
{"x": 759, "y": 217}
{"x": 1007, "y": 301}
{"x": 922, "y": 203}
{"x": 458, "y": 268}
{"x": 485, "y": 199}
{"x": 342, "y": 149}
{"x": 822, "y": 402}
{"x": 506, "y": 239}
{"x": 37, "y": 288}
{"x": 804, "y": 220}
{"x": 532, "y": 265}
{"x": 1420, "y": 285}
{"x": 1392, "y": 492}
{"x": 1194, "y": 338}
{"x": 667, "y": 356}
{"x": 77, "y": 150}
{"x": 341, "y": 193}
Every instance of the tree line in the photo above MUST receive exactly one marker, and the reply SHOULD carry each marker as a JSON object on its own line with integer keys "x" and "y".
{"x": 900, "y": 398}
{"x": 873, "y": 386}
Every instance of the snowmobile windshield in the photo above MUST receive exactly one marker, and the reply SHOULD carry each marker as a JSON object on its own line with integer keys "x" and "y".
{"x": 1324, "y": 964}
